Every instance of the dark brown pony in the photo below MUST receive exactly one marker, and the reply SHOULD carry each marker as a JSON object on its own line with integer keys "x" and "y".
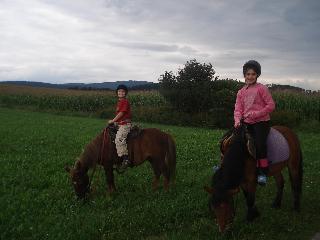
{"x": 238, "y": 170}
{"x": 150, "y": 145}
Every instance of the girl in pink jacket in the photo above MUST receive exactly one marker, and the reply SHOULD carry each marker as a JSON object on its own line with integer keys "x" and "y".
{"x": 254, "y": 104}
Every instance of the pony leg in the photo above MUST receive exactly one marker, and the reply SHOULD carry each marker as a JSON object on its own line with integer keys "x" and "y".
{"x": 170, "y": 162}
{"x": 296, "y": 190}
{"x": 155, "y": 182}
{"x": 160, "y": 168}
{"x": 252, "y": 212}
{"x": 280, "y": 184}
{"x": 166, "y": 183}
{"x": 110, "y": 180}
{"x": 295, "y": 164}
{"x": 166, "y": 177}
{"x": 157, "y": 173}
{"x": 296, "y": 173}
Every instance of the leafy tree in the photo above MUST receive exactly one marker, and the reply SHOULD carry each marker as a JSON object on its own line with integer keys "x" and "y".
{"x": 189, "y": 91}
{"x": 196, "y": 91}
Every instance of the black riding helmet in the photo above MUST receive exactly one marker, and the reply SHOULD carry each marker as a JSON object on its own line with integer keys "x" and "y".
{"x": 252, "y": 64}
{"x": 123, "y": 87}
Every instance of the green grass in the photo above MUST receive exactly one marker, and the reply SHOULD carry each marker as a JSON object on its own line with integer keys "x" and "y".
{"x": 38, "y": 202}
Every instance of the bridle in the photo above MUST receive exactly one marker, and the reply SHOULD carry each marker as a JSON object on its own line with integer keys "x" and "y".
{"x": 100, "y": 158}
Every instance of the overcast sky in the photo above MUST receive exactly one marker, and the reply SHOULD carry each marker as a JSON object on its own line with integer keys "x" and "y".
{"x": 61, "y": 41}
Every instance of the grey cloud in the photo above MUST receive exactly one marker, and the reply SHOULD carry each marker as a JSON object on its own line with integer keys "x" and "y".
{"x": 159, "y": 47}
{"x": 120, "y": 39}
{"x": 304, "y": 13}
{"x": 147, "y": 46}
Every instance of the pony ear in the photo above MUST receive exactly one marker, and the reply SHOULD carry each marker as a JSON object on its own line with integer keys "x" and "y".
{"x": 225, "y": 142}
{"x": 77, "y": 165}
{"x": 67, "y": 168}
{"x": 233, "y": 191}
{"x": 209, "y": 190}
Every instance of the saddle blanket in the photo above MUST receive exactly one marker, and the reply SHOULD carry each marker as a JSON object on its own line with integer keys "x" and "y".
{"x": 278, "y": 147}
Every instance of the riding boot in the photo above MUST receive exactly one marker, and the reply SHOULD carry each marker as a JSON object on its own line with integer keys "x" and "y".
{"x": 215, "y": 168}
{"x": 262, "y": 176}
{"x": 125, "y": 162}
{"x": 262, "y": 171}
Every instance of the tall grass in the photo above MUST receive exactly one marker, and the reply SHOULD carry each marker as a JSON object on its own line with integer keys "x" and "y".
{"x": 150, "y": 106}
{"x": 306, "y": 106}
{"x": 73, "y": 100}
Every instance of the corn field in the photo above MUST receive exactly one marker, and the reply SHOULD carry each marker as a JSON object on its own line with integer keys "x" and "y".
{"x": 306, "y": 106}
{"x": 73, "y": 100}
{"x": 148, "y": 106}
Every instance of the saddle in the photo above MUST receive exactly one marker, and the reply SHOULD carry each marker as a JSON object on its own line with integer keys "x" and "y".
{"x": 134, "y": 132}
{"x": 277, "y": 145}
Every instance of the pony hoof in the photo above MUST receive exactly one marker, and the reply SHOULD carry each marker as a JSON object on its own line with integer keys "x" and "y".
{"x": 296, "y": 209}
{"x": 111, "y": 190}
{"x": 253, "y": 214}
{"x": 276, "y": 205}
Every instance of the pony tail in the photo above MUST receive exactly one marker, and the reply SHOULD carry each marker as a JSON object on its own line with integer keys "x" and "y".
{"x": 170, "y": 158}
{"x": 296, "y": 173}
{"x": 296, "y": 176}
{"x": 300, "y": 173}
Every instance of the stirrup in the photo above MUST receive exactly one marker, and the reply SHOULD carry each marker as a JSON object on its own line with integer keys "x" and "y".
{"x": 125, "y": 164}
{"x": 215, "y": 168}
{"x": 262, "y": 180}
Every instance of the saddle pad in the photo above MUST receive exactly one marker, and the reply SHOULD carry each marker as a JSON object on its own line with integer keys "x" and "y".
{"x": 278, "y": 148}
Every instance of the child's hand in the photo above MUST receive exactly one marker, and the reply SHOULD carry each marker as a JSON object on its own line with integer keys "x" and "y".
{"x": 237, "y": 124}
{"x": 247, "y": 115}
{"x": 110, "y": 122}
{"x": 250, "y": 115}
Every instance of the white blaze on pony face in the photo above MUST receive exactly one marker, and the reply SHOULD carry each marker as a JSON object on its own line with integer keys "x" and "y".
{"x": 80, "y": 182}
{"x": 224, "y": 213}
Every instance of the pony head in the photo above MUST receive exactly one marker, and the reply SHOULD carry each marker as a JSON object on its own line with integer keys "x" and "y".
{"x": 221, "y": 207}
{"x": 79, "y": 179}
{"x": 234, "y": 148}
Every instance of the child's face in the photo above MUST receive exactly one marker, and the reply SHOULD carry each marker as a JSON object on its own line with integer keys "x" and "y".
{"x": 121, "y": 93}
{"x": 250, "y": 76}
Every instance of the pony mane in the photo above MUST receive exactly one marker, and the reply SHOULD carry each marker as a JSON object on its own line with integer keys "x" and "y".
{"x": 224, "y": 137}
{"x": 231, "y": 172}
{"x": 91, "y": 153}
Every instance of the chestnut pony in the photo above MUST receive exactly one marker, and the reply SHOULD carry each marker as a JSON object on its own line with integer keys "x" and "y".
{"x": 150, "y": 144}
{"x": 238, "y": 170}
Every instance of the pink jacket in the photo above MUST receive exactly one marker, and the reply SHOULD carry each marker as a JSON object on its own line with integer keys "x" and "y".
{"x": 254, "y": 103}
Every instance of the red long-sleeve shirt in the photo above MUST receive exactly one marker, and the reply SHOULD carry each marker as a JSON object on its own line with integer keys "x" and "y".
{"x": 124, "y": 106}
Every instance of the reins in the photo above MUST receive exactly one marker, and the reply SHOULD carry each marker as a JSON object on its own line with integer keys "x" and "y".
{"x": 100, "y": 157}
{"x": 236, "y": 204}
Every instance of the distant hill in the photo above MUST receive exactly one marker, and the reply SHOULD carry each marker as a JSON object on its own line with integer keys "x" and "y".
{"x": 132, "y": 84}
{"x": 148, "y": 86}
{"x": 285, "y": 87}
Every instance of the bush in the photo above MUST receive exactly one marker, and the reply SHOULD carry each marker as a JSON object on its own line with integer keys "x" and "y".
{"x": 209, "y": 101}
{"x": 189, "y": 91}
{"x": 285, "y": 118}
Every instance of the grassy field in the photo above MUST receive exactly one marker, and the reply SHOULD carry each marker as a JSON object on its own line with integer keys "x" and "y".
{"x": 37, "y": 201}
